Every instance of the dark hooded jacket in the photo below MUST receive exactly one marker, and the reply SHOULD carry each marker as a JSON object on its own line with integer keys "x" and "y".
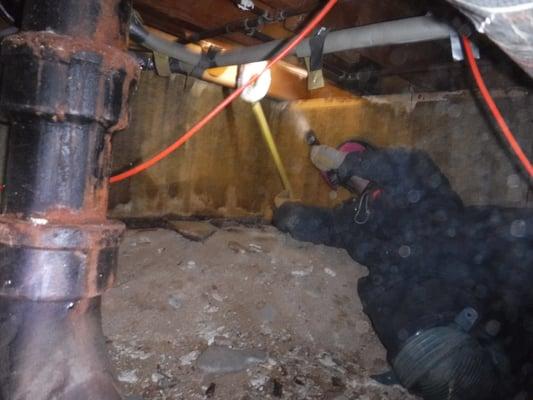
{"x": 430, "y": 257}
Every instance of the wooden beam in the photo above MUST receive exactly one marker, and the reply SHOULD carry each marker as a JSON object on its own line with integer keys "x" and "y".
{"x": 205, "y": 14}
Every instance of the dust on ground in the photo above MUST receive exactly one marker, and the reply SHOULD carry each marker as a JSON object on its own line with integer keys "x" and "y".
{"x": 247, "y": 314}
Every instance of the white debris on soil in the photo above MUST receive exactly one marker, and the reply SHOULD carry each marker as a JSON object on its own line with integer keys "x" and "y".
{"x": 128, "y": 376}
{"x": 302, "y": 272}
{"x": 259, "y": 382}
{"x": 222, "y": 359}
{"x": 175, "y": 301}
{"x": 131, "y": 351}
{"x": 188, "y": 359}
{"x": 243, "y": 315}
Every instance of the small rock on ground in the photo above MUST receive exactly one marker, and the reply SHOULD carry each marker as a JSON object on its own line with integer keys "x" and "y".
{"x": 197, "y": 231}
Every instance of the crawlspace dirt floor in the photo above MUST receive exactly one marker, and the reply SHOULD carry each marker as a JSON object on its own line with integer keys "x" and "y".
{"x": 248, "y": 314}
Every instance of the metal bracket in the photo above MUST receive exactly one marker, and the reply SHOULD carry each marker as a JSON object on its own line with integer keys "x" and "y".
{"x": 457, "y": 48}
{"x": 162, "y": 64}
{"x": 207, "y": 61}
{"x": 314, "y": 63}
{"x": 315, "y": 78}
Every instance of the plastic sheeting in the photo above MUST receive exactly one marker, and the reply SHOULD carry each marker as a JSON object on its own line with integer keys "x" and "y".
{"x": 508, "y": 23}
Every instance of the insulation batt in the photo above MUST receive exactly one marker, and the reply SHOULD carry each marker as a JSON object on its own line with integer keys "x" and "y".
{"x": 430, "y": 257}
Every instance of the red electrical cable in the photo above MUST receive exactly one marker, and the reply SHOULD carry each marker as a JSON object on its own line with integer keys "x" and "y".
{"x": 200, "y": 124}
{"x": 494, "y": 108}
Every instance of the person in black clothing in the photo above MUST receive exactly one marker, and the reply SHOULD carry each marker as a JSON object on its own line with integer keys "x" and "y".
{"x": 450, "y": 287}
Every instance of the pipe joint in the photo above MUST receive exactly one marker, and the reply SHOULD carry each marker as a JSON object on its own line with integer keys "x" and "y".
{"x": 62, "y": 262}
{"x": 66, "y": 77}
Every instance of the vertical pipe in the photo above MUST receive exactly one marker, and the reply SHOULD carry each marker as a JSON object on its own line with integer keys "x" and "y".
{"x": 3, "y": 149}
{"x": 65, "y": 83}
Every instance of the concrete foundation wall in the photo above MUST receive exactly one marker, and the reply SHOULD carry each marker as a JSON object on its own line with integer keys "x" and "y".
{"x": 226, "y": 169}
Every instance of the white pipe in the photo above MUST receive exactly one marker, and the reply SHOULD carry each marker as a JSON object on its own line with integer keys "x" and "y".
{"x": 403, "y": 31}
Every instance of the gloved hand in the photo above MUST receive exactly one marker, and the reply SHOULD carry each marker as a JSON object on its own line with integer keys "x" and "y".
{"x": 326, "y": 158}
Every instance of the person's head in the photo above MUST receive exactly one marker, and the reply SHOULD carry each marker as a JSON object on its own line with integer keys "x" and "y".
{"x": 356, "y": 184}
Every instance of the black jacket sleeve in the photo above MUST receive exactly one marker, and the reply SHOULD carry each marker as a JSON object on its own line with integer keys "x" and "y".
{"x": 406, "y": 176}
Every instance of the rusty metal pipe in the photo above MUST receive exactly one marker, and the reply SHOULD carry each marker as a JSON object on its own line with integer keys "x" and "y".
{"x": 54, "y": 350}
{"x": 66, "y": 79}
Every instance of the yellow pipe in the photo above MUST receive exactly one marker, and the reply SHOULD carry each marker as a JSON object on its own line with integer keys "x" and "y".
{"x": 269, "y": 139}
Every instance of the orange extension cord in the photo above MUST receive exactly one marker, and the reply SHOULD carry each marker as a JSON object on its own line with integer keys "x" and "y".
{"x": 213, "y": 113}
{"x": 494, "y": 108}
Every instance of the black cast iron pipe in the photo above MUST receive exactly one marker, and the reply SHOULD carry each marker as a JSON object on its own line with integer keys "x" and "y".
{"x": 65, "y": 83}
